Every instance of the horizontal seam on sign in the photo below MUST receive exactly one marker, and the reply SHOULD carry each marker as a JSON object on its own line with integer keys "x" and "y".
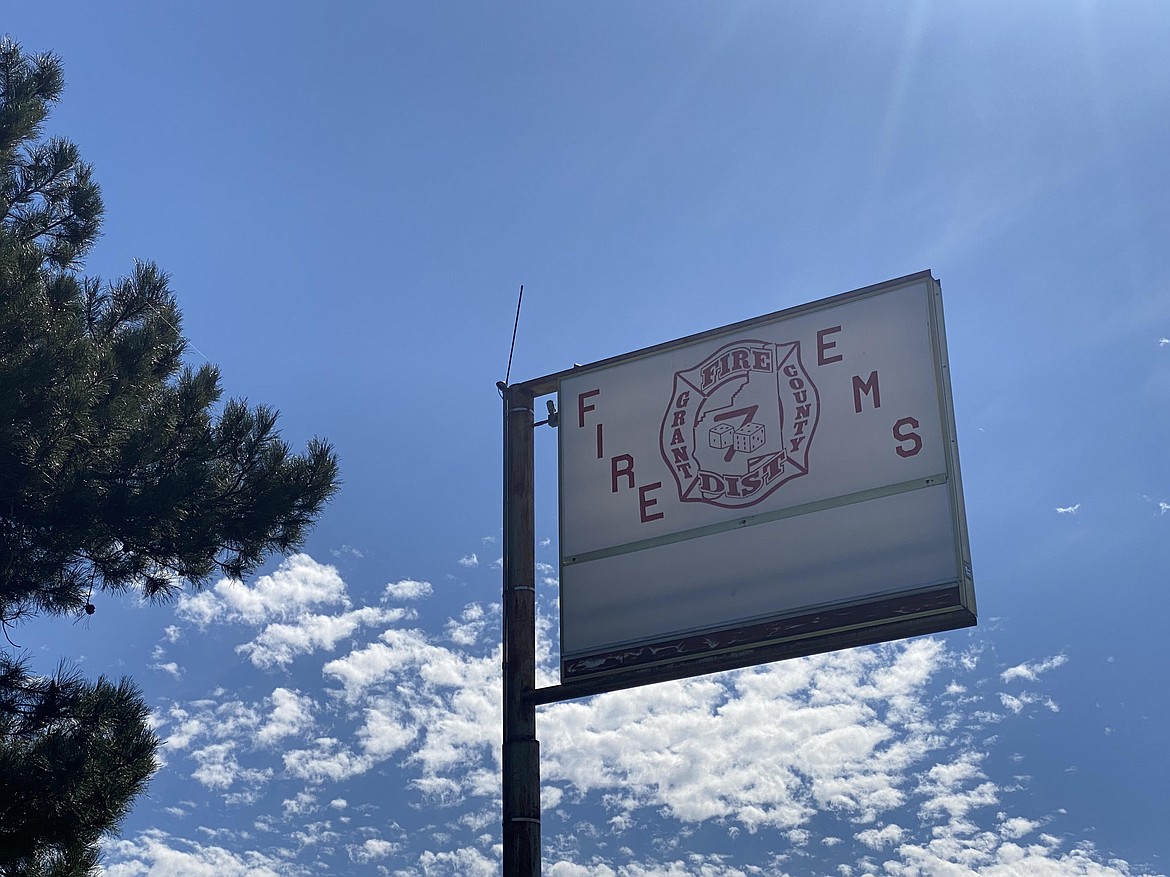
{"x": 754, "y": 520}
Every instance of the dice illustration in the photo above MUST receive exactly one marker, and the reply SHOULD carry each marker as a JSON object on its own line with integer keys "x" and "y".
{"x": 749, "y": 437}
{"x": 722, "y": 436}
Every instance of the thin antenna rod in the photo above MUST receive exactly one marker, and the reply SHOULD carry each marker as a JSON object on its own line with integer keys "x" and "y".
{"x": 515, "y": 325}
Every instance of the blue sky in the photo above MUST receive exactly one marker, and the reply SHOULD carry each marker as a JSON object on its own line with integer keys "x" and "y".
{"x": 347, "y": 198}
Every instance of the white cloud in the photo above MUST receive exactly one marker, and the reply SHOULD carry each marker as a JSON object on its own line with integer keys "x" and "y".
{"x": 232, "y": 719}
{"x": 1017, "y": 827}
{"x": 386, "y": 729}
{"x": 407, "y": 590}
{"x": 300, "y": 804}
{"x": 1030, "y": 671}
{"x": 958, "y": 847}
{"x": 469, "y": 560}
{"x": 867, "y": 736}
{"x": 328, "y": 760}
{"x": 955, "y": 787}
{"x": 367, "y": 666}
{"x": 278, "y": 644}
{"x": 466, "y": 862}
{"x": 156, "y": 854}
{"x": 473, "y": 623}
{"x": 1015, "y": 704}
{"x": 879, "y": 838}
{"x": 170, "y": 668}
{"x": 372, "y": 849}
{"x": 1068, "y": 510}
{"x": 292, "y": 713}
{"x": 297, "y": 584}
{"x": 219, "y": 769}
{"x": 1163, "y": 507}
{"x": 762, "y": 747}
{"x": 1164, "y": 342}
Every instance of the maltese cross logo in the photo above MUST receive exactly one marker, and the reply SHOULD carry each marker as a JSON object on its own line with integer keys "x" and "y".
{"x": 740, "y": 424}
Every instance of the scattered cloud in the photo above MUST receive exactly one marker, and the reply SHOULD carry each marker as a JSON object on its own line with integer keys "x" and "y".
{"x": 292, "y": 714}
{"x": 154, "y": 853}
{"x": 278, "y": 644}
{"x": 1016, "y": 827}
{"x": 407, "y": 589}
{"x": 877, "y": 839}
{"x": 302, "y": 803}
{"x": 1164, "y": 342}
{"x": 1068, "y": 510}
{"x": 1031, "y": 671}
{"x": 372, "y": 850}
{"x": 170, "y": 668}
{"x": 297, "y": 584}
{"x": 469, "y": 560}
{"x": 880, "y": 739}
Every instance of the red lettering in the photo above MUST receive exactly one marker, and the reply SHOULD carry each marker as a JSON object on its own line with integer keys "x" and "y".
{"x": 582, "y": 407}
{"x": 683, "y": 400}
{"x": 680, "y": 418}
{"x": 773, "y": 469}
{"x": 869, "y": 387}
{"x": 676, "y": 438}
{"x": 710, "y": 484}
{"x": 750, "y": 482}
{"x": 626, "y": 470}
{"x": 824, "y": 346}
{"x": 741, "y": 359}
{"x": 680, "y": 454}
{"x": 902, "y": 434}
{"x": 599, "y": 442}
{"x": 644, "y": 502}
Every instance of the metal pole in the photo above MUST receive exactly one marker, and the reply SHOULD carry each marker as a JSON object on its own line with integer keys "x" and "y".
{"x": 521, "y": 756}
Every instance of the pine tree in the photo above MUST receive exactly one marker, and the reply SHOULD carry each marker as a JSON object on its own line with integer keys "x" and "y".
{"x": 73, "y": 757}
{"x": 120, "y": 470}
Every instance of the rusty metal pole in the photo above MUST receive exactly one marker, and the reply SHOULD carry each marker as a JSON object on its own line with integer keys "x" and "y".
{"x": 521, "y": 756}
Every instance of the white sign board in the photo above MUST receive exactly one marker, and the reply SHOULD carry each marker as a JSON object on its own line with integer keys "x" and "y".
{"x": 782, "y": 486}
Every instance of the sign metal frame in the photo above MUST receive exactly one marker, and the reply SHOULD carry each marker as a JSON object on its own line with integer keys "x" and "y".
{"x": 799, "y": 630}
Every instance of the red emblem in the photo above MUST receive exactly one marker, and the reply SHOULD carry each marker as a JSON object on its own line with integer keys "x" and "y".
{"x": 740, "y": 424}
